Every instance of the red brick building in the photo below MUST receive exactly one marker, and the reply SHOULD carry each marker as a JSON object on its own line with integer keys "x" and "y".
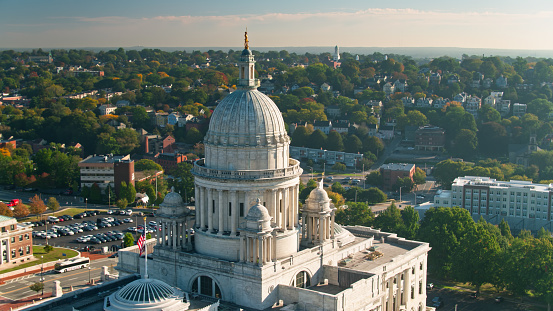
{"x": 16, "y": 243}
{"x": 429, "y": 138}
{"x": 392, "y": 171}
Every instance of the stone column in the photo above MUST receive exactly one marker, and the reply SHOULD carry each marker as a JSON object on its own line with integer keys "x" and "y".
{"x": 390, "y": 295}
{"x": 303, "y": 227}
{"x": 321, "y": 228}
{"x": 233, "y": 213}
{"x": 309, "y": 230}
{"x": 197, "y": 207}
{"x": 290, "y": 212}
{"x": 276, "y": 207}
{"x": 246, "y": 202}
{"x": 273, "y": 247}
{"x": 210, "y": 210}
{"x": 268, "y": 248}
{"x": 242, "y": 248}
{"x": 163, "y": 234}
{"x": 203, "y": 207}
{"x": 406, "y": 287}
{"x": 284, "y": 208}
{"x": 174, "y": 234}
{"x": 248, "y": 249}
{"x": 332, "y": 225}
{"x": 221, "y": 213}
{"x": 261, "y": 259}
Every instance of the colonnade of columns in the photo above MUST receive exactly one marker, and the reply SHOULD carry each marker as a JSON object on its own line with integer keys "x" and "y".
{"x": 219, "y": 211}
{"x": 402, "y": 292}
{"x": 258, "y": 249}
{"x": 173, "y": 234}
{"x": 318, "y": 228}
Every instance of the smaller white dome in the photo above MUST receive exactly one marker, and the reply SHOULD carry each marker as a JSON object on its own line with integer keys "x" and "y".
{"x": 172, "y": 199}
{"x": 318, "y": 200}
{"x": 258, "y": 218}
{"x": 147, "y": 295}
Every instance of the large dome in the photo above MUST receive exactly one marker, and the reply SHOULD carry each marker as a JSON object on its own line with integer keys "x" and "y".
{"x": 246, "y": 117}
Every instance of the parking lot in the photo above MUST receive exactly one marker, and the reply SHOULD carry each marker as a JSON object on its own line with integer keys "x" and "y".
{"x": 70, "y": 241}
{"x": 464, "y": 302}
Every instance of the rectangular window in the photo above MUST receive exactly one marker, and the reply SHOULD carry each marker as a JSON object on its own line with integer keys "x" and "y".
{"x": 241, "y": 209}
{"x": 13, "y": 253}
{"x": 21, "y": 238}
{"x": 229, "y": 208}
{"x": 13, "y": 239}
{"x": 28, "y": 249}
{"x": 213, "y": 207}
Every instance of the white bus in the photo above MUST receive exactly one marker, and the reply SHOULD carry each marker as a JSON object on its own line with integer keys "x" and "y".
{"x": 72, "y": 264}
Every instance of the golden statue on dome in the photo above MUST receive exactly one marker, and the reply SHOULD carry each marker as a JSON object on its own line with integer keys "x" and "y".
{"x": 246, "y": 41}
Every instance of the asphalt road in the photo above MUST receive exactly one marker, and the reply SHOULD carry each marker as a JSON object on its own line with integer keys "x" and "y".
{"x": 17, "y": 289}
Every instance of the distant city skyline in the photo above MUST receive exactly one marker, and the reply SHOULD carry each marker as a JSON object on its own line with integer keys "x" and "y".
{"x": 493, "y": 24}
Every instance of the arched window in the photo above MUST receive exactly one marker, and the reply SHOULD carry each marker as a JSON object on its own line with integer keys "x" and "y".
{"x": 204, "y": 285}
{"x": 302, "y": 280}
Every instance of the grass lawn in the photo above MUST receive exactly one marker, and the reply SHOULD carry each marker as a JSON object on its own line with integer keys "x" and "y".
{"x": 51, "y": 256}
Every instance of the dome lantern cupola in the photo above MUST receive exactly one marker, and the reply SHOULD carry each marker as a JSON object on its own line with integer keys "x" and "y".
{"x": 247, "y": 79}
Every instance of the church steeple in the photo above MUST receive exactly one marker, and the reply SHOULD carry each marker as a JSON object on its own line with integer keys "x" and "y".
{"x": 247, "y": 78}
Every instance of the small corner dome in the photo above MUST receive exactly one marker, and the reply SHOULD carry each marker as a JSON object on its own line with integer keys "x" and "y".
{"x": 145, "y": 291}
{"x": 172, "y": 199}
{"x": 246, "y": 52}
{"x": 258, "y": 212}
{"x": 318, "y": 195}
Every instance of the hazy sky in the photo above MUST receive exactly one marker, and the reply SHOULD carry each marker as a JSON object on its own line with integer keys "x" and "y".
{"x": 503, "y": 24}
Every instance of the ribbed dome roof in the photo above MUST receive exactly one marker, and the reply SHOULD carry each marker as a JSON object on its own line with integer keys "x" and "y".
{"x": 145, "y": 291}
{"x": 258, "y": 212}
{"x": 318, "y": 195}
{"x": 318, "y": 199}
{"x": 246, "y": 117}
{"x": 172, "y": 199}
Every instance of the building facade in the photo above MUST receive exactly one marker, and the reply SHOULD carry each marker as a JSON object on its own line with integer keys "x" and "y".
{"x": 392, "y": 171}
{"x": 251, "y": 248}
{"x": 429, "y": 138}
{"x": 107, "y": 170}
{"x": 487, "y": 196}
{"x": 16, "y": 243}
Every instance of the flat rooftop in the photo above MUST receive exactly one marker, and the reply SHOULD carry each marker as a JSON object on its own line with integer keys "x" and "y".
{"x": 398, "y": 166}
{"x": 360, "y": 260}
{"x": 106, "y": 159}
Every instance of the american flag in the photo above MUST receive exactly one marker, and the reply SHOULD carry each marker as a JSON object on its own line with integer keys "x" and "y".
{"x": 140, "y": 242}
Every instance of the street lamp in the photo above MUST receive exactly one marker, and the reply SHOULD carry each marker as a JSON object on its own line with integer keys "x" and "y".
{"x": 42, "y": 273}
{"x": 89, "y": 279}
{"x": 86, "y": 204}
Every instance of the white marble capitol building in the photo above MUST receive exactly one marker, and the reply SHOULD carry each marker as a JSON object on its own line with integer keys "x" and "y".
{"x": 252, "y": 248}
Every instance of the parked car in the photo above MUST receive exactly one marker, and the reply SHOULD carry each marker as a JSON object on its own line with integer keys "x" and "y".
{"x": 127, "y": 220}
{"x": 437, "y": 302}
{"x": 128, "y": 212}
{"x": 498, "y": 299}
{"x": 430, "y": 286}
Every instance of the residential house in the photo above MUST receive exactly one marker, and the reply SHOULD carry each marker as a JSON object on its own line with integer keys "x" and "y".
{"x": 107, "y": 109}
{"x": 330, "y": 157}
{"x": 185, "y": 118}
{"x": 324, "y": 126}
{"x": 519, "y": 109}
{"x": 341, "y": 126}
{"x": 401, "y": 85}
{"x": 424, "y": 102}
{"x": 487, "y": 83}
{"x": 503, "y": 106}
{"x": 326, "y": 87}
{"x": 388, "y": 88}
{"x": 473, "y": 105}
{"x": 333, "y": 111}
{"x": 440, "y": 102}
{"x": 461, "y": 97}
{"x": 373, "y": 129}
{"x": 173, "y": 118}
{"x": 122, "y": 103}
{"x": 453, "y": 79}
{"x": 160, "y": 118}
{"x": 520, "y": 153}
{"x": 408, "y": 101}
{"x": 501, "y": 82}
{"x": 435, "y": 78}
{"x": 386, "y": 132}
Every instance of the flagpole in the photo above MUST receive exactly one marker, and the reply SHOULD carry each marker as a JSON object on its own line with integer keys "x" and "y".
{"x": 145, "y": 252}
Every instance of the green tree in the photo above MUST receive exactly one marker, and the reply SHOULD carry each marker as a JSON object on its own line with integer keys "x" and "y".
{"x": 183, "y": 180}
{"x": 334, "y": 141}
{"x": 53, "y": 204}
{"x": 131, "y": 193}
{"x": 444, "y": 228}
{"x": 317, "y": 139}
{"x": 374, "y": 178}
{"x": 128, "y": 240}
{"x": 355, "y": 214}
{"x": 193, "y": 136}
{"x": 122, "y": 203}
{"x": 465, "y": 143}
{"x": 95, "y": 194}
{"x": 37, "y": 287}
{"x": 147, "y": 165}
{"x": 300, "y": 137}
{"x": 390, "y": 219}
{"x": 339, "y": 167}
{"x": 353, "y": 144}
{"x": 337, "y": 187}
{"x": 148, "y": 236}
{"x": 477, "y": 256}
{"x": 410, "y": 226}
{"x": 419, "y": 177}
